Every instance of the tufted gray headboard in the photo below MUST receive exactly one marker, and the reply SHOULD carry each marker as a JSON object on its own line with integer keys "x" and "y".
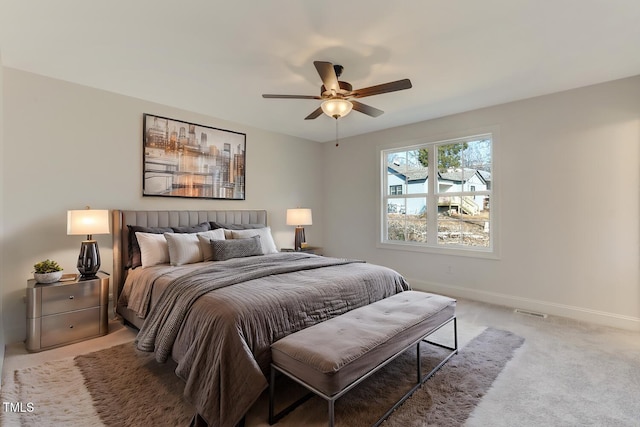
{"x": 122, "y": 218}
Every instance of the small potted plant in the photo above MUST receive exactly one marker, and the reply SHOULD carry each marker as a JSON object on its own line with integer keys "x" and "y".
{"x": 47, "y": 271}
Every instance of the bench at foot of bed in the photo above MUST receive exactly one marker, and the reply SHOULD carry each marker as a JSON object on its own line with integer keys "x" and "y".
{"x": 332, "y": 357}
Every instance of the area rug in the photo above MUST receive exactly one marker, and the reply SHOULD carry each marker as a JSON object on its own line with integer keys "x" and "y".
{"x": 128, "y": 388}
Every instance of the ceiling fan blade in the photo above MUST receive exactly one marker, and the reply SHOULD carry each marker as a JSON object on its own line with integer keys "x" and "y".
{"x": 328, "y": 75}
{"x": 366, "y": 109}
{"x": 267, "y": 95}
{"x": 383, "y": 88}
{"x": 317, "y": 112}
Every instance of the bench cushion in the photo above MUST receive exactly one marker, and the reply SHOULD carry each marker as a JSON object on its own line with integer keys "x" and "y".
{"x": 331, "y": 355}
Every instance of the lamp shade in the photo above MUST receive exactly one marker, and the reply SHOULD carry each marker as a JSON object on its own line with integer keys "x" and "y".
{"x": 299, "y": 216}
{"x": 88, "y": 222}
{"x": 336, "y": 108}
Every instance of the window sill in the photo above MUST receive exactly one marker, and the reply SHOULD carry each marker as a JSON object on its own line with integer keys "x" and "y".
{"x": 453, "y": 251}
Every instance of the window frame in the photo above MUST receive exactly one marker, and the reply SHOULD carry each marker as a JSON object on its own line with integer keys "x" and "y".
{"x": 490, "y": 252}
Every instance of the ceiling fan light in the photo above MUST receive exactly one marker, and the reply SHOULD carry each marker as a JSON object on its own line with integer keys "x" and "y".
{"x": 336, "y": 108}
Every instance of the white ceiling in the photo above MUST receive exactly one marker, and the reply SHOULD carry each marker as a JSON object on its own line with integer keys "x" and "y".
{"x": 218, "y": 57}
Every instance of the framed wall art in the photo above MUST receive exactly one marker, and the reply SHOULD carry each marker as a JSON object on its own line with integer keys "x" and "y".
{"x": 183, "y": 159}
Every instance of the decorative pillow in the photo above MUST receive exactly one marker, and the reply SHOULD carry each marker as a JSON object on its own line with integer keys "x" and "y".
{"x": 228, "y": 227}
{"x": 214, "y": 225}
{"x": 266, "y": 239}
{"x": 238, "y": 248}
{"x": 184, "y": 248}
{"x": 153, "y": 249}
{"x": 134, "y": 247}
{"x": 204, "y": 226}
{"x": 205, "y": 245}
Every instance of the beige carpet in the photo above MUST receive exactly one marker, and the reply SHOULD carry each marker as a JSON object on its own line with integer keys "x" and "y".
{"x": 129, "y": 389}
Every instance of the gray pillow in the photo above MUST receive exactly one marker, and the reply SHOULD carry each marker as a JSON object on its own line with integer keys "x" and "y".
{"x": 236, "y": 248}
{"x": 204, "y": 226}
{"x": 228, "y": 227}
{"x": 214, "y": 225}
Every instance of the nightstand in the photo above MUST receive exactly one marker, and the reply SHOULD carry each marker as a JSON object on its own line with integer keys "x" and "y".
{"x": 62, "y": 313}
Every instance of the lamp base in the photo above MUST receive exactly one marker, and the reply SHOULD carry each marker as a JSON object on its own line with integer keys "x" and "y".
{"x": 299, "y": 238}
{"x": 89, "y": 259}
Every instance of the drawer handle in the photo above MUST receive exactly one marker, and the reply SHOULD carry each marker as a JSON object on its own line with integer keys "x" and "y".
{"x": 71, "y": 297}
{"x": 70, "y": 326}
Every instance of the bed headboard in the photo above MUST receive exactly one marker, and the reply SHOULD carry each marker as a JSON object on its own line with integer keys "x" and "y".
{"x": 122, "y": 218}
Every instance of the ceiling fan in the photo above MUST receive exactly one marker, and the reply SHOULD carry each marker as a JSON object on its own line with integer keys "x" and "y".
{"x": 339, "y": 97}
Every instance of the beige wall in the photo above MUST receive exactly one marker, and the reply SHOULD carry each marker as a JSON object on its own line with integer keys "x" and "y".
{"x": 569, "y": 188}
{"x": 67, "y": 146}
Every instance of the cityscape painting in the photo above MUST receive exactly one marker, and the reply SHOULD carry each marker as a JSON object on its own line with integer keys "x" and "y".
{"x": 184, "y": 159}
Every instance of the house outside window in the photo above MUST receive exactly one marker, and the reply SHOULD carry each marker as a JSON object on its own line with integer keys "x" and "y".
{"x": 450, "y": 213}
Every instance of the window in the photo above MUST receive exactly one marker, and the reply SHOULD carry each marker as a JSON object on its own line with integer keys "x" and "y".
{"x": 446, "y": 199}
{"x": 395, "y": 190}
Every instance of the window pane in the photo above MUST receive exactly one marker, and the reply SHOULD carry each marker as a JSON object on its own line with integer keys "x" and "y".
{"x": 477, "y": 155}
{"x": 476, "y": 159}
{"x": 450, "y": 156}
{"x": 462, "y": 222}
{"x": 405, "y": 173}
{"x": 417, "y": 180}
{"x": 417, "y": 171}
{"x": 476, "y": 224}
{"x": 476, "y": 229}
{"x": 417, "y": 158}
{"x": 396, "y": 219}
{"x": 407, "y": 220}
{"x": 396, "y": 179}
{"x": 449, "y": 224}
{"x": 416, "y": 230}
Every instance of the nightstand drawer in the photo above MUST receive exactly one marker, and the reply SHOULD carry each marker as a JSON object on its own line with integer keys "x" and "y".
{"x": 64, "y": 328}
{"x": 61, "y": 299}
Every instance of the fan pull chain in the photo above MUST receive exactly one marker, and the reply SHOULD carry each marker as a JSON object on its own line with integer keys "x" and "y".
{"x": 337, "y": 143}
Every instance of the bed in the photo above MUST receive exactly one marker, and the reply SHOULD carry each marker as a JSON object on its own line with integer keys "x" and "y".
{"x": 218, "y": 319}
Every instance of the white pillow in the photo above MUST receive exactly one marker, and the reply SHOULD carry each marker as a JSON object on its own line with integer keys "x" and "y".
{"x": 184, "y": 248}
{"x": 266, "y": 239}
{"x": 205, "y": 244}
{"x": 153, "y": 249}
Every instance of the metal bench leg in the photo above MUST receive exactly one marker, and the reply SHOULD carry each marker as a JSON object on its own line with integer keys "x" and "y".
{"x": 419, "y": 361}
{"x": 331, "y": 412}
{"x": 272, "y": 396}
{"x": 273, "y": 416}
{"x": 455, "y": 334}
{"x": 453, "y": 350}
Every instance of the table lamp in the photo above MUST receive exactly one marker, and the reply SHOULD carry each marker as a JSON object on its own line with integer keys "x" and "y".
{"x": 88, "y": 222}
{"x": 299, "y": 217}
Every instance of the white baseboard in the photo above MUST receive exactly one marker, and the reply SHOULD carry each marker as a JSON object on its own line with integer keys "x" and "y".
{"x": 546, "y": 307}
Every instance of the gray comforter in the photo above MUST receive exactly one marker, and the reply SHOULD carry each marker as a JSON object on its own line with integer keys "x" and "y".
{"x": 218, "y": 322}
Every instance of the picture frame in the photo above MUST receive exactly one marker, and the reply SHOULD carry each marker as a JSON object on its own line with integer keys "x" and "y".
{"x": 183, "y": 159}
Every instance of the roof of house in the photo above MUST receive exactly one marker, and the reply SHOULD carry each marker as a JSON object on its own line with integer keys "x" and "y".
{"x": 420, "y": 173}
{"x": 463, "y": 175}
{"x": 409, "y": 172}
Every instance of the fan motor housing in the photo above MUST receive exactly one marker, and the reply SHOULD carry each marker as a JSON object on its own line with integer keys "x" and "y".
{"x": 345, "y": 89}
